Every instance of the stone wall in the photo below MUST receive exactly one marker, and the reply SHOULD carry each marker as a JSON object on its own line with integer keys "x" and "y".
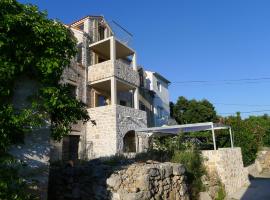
{"x": 228, "y": 165}
{"x": 125, "y": 72}
{"x": 112, "y": 122}
{"x": 261, "y": 164}
{"x": 100, "y": 71}
{"x": 108, "y": 69}
{"x": 102, "y": 134}
{"x": 128, "y": 119}
{"x": 34, "y": 152}
{"x": 128, "y": 181}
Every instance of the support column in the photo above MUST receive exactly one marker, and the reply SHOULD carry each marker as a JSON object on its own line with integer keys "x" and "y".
{"x": 113, "y": 79}
{"x": 134, "y": 62}
{"x": 136, "y": 98}
{"x": 113, "y": 91}
{"x": 214, "y": 138}
{"x": 112, "y": 49}
{"x": 230, "y": 130}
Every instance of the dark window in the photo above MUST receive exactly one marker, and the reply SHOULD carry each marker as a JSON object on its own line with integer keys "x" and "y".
{"x": 79, "y": 54}
{"x": 123, "y": 103}
{"x": 141, "y": 80}
{"x": 101, "y": 31}
{"x": 101, "y": 100}
{"x": 70, "y": 147}
{"x": 129, "y": 142}
{"x": 142, "y": 107}
{"x": 81, "y": 27}
{"x": 159, "y": 86}
{"x": 72, "y": 90}
{"x": 160, "y": 112}
{"x": 100, "y": 60}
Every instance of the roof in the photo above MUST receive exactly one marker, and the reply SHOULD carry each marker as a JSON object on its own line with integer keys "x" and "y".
{"x": 88, "y": 16}
{"x": 159, "y": 76}
{"x": 176, "y": 129}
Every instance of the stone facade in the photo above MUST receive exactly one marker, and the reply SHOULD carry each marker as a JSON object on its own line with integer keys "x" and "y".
{"x": 108, "y": 69}
{"x": 149, "y": 181}
{"x": 261, "y": 164}
{"x": 128, "y": 119}
{"x": 126, "y": 73}
{"x": 34, "y": 151}
{"x": 128, "y": 181}
{"x": 102, "y": 134}
{"x": 112, "y": 122}
{"x": 228, "y": 165}
{"x": 100, "y": 71}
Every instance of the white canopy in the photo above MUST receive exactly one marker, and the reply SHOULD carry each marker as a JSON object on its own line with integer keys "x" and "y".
{"x": 185, "y": 128}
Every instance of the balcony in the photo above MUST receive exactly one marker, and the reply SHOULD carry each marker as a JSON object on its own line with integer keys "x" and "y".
{"x": 116, "y": 68}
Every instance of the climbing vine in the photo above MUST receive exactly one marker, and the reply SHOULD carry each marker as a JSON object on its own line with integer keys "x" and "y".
{"x": 42, "y": 48}
{"x": 34, "y": 46}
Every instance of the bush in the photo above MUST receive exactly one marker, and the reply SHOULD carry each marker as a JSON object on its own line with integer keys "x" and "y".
{"x": 192, "y": 160}
{"x": 12, "y": 187}
{"x": 180, "y": 150}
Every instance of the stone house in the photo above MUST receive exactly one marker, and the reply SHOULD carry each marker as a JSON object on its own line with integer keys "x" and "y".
{"x": 120, "y": 95}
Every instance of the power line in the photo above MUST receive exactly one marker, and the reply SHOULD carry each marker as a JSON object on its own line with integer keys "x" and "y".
{"x": 226, "y": 81}
{"x": 236, "y": 104}
{"x": 246, "y": 112}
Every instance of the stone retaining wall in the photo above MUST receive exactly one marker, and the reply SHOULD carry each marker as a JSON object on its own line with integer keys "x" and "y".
{"x": 133, "y": 181}
{"x": 228, "y": 165}
{"x": 263, "y": 160}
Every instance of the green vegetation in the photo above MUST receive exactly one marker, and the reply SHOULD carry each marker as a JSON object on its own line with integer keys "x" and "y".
{"x": 221, "y": 194}
{"x": 179, "y": 150}
{"x": 250, "y": 134}
{"x": 40, "y": 48}
{"x": 192, "y": 111}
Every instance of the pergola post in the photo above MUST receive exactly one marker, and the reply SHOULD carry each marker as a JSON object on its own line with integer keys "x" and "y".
{"x": 213, "y": 135}
{"x": 230, "y": 130}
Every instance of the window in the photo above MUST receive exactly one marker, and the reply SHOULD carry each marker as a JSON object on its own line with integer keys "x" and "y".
{"x": 81, "y": 27}
{"x": 159, "y": 86}
{"x": 123, "y": 103}
{"x": 142, "y": 106}
{"x": 101, "y": 32}
{"x": 102, "y": 100}
{"x": 72, "y": 90}
{"x": 79, "y": 54}
{"x": 159, "y": 112}
{"x": 141, "y": 78}
{"x": 70, "y": 147}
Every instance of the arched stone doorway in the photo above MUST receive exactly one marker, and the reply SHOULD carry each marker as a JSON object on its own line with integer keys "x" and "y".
{"x": 129, "y": 142}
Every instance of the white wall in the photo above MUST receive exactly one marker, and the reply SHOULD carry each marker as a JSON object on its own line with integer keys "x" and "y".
{"x": 161, "y": 98}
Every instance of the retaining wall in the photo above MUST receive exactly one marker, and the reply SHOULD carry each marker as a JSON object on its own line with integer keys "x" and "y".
{"x": 228, "y": 165}
{"x": 133, "y": 181}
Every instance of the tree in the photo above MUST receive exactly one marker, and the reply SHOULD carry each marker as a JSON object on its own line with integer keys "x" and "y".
{"x": 193, "y": 111}
{"x": 250, "y": 134}
{"x": 33, "y": 45}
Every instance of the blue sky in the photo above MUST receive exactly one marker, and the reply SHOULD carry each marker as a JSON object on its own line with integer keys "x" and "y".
{"x": 188, "y": 40}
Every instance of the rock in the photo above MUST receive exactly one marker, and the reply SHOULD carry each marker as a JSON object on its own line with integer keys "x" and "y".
{"x": 204, "y": 196}
{"x": 114, "y": 181}
{"x": 153, "y": 172}
{"x": 178, "y": 169}
{"x": 183, "y": 189}
{"x": 132, "y": 181}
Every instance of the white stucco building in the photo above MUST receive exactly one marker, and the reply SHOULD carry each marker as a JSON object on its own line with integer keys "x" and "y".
{"x": 161, "y": 101}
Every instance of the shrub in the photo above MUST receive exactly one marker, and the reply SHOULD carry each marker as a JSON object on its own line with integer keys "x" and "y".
{"x": 11, "y": 185}
{"x": 192, "y": 160}
{"x": 180, "y": 150}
